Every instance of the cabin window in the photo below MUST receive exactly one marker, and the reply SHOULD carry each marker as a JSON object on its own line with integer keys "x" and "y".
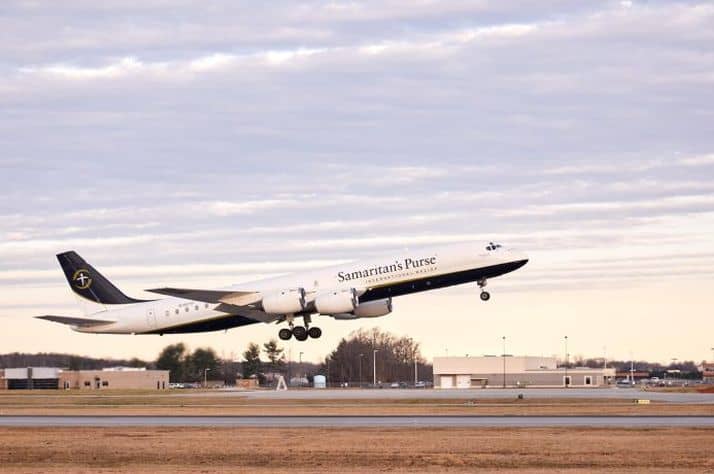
{"x": 196, "y": 307}
{"x": 167, "y": 313}
{"x": 206, "y": 305}
{"x": 87, "y": 383}
{"x": 177, "y": 311}
{"x": 187, "y": 309}
{"x": 105, "y": 383}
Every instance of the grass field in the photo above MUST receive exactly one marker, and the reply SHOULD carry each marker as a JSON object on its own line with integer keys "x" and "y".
{"x": 158, "y": 450}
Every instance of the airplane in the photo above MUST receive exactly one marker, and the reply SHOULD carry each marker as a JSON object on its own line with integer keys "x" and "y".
{"x": 361, "y": 289}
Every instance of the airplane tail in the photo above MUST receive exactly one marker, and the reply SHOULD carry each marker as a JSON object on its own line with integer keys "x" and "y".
{"x": 89, "y": 283}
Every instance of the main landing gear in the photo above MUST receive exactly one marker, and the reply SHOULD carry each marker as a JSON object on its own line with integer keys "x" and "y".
{"x": 301, "y": 333}
{"x": 485, "y": 295}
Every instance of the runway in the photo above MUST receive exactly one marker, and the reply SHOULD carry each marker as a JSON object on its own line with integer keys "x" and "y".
{"x": 473, "y": 393}
{"x": 359, "y": 421}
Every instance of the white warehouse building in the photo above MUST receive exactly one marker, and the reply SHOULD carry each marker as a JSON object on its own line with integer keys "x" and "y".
{"x": 522, "y": 371}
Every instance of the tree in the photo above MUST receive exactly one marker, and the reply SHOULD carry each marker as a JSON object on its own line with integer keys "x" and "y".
{"x": 276, "y": 356}
{"x": 199, "y": 361}
{"x": 395, "y": 359}
{"x": 251, "y": 361}
{"x": 172, "y": 358}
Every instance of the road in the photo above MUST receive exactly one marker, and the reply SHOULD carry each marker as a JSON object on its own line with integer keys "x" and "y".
{"x": 360, "y": 421}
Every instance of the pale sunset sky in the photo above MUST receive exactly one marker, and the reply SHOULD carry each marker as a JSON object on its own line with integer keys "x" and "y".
{"x": 203, "y": 144}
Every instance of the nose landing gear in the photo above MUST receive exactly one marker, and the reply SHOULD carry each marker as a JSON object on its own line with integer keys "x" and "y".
{"x": 485, "y": 295}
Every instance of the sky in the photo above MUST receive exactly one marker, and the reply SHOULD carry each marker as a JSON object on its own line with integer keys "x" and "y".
{"x": 201, "y": 145}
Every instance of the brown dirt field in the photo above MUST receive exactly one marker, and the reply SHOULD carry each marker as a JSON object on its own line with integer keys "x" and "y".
{"x": 158, "y": 450}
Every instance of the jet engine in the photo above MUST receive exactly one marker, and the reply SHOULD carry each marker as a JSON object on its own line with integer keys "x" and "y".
{"x": 334, "y": 302}
{"x": 284, "y": 302}
{"x": 371, "y": 309}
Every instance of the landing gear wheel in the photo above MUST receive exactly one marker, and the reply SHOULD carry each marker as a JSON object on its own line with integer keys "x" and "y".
{"x": 314, "y": 332}
{"x": 285, "y": 334}
{"x": 300, "y": 333}
{"x": 485, "y": 296}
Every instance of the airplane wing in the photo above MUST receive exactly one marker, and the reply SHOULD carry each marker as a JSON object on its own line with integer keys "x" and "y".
{"x": 229, "y": 301}
{"x": 231, "y": 297}
{"x": 72, "y": 321}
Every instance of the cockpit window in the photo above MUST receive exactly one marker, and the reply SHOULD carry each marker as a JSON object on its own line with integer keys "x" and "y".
{"x": 491, "y": 246}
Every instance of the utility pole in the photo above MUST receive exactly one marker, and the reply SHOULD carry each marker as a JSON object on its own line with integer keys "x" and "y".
{"x": 205, "y": 377}
{"x": 504, "y": 361}
{"x": 566, "y": 362}
{"x": 374, "y": 367}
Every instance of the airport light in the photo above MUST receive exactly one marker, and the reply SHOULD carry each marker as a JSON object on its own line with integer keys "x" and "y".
{"x": 361, "y": 356}
{"x": 374, "y": 367}
{"x": 504, "y": 361}
{"x": 205, "y": 377}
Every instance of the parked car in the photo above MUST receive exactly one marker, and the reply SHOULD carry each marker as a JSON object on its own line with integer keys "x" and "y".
{"x": 420, "y": 384}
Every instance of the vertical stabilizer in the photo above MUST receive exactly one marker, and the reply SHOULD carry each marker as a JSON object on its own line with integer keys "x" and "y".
{"x": 88, "y": 283}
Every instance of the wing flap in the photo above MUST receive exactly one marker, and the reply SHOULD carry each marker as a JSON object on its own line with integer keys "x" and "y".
{"x": 73, "y": 321}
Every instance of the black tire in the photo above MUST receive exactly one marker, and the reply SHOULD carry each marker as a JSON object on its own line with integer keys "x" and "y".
{"x": 285, "y": 334}
{"x": 314, "y": 332}
{"x": 300, "y": 333}
{"x": 485, "y": 296}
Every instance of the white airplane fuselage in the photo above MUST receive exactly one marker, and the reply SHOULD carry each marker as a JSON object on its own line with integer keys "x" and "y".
{"x": 373, "y": 279}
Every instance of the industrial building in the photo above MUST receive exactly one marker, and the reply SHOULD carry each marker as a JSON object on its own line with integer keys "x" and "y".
{"x": 52, "y": 378}
{"x": 524, "y": 371}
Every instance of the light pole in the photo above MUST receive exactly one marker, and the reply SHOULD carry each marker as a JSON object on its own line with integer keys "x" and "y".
{"x": 567, "y": 382}
{"x": 361, "y": 356}
{"x": 374, "y": 367}
{"x": 416, "y": 371}
{"x": 300, "y": 365}
{"x": 205, "y": 377}
{"x": 504, "y": 361}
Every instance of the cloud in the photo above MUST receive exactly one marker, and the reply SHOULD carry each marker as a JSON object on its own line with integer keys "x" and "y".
{"x": 245, "y": 139}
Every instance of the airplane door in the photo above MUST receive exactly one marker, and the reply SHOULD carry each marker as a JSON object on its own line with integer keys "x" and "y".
{"x": 151, "y": 317}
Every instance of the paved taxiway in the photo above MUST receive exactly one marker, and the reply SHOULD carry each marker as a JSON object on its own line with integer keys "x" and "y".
{"x": 360, "y": 421}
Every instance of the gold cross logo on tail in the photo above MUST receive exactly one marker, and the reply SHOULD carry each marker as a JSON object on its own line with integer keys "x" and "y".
{"x": 81, "y": 279}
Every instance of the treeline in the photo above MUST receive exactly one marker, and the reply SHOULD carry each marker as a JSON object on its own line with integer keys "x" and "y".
{"x": 687, "y": 368}
{"x": 185, "y": 366}
{"x": 66, "y": 361}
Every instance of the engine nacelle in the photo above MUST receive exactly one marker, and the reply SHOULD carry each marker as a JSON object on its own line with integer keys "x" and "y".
{"x": 371, "y": 309}
{"x": 336, "y": 302}
{"x": 285, "y": 301}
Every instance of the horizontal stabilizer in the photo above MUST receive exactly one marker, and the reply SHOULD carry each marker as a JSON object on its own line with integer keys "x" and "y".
{"x": 232, "y": 297}
{"x": 72, "y": 321}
